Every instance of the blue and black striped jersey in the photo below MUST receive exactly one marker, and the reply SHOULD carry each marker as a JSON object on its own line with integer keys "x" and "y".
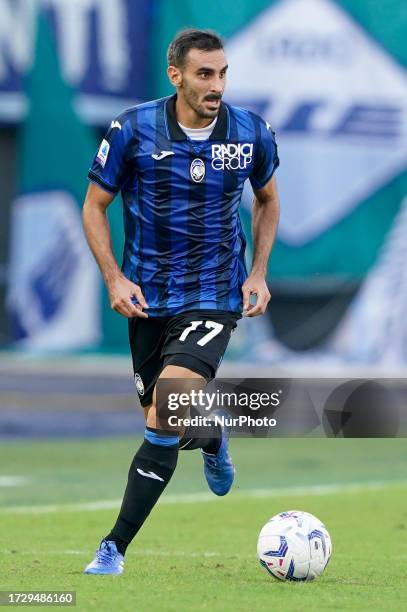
{"x": 184, "y": 243}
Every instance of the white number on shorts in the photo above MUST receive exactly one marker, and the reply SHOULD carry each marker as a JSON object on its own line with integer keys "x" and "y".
{"x": 212, "y": 325}
{"x": 192, "y": 327}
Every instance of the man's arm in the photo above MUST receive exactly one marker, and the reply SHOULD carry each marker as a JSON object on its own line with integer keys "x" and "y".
{"x": 265, "y": 216}
{"x": 97, "y": 231}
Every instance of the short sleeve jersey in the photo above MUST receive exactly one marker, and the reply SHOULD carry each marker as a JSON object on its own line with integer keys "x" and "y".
{"x": 184, "y": 242}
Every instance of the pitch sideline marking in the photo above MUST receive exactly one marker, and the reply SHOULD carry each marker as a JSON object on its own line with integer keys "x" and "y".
{"x": 193, "y": 498}
{"x": 148, "y": 552}
{"x": 13, "y": 481}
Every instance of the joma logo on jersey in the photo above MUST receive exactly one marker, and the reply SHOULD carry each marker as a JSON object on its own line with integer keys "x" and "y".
{"x": 232, "y": 156}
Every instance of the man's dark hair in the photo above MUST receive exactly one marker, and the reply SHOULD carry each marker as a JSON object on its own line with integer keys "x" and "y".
{"x": 204, "y": 40}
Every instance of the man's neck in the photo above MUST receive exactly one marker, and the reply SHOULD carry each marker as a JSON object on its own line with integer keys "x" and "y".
{"x": 188, "y": 117}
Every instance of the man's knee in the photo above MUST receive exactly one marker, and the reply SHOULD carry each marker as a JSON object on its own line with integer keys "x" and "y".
{"x": 178, "y": 380}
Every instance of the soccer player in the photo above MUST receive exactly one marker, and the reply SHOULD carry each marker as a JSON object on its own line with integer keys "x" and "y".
{"x": 180, "y": 163}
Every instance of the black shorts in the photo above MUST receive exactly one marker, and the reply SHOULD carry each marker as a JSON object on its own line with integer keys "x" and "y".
{"x": 196, "y": 340}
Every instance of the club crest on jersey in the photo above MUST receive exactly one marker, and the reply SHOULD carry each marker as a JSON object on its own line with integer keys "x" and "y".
{"x": 138, "y": 381}
{"x": 197, "y": 170}
{"x": 232, "y": 156}
{"x": 103, "y": 153}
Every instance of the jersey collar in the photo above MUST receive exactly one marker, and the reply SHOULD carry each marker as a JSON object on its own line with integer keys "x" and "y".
{"x": 174, "y": 132}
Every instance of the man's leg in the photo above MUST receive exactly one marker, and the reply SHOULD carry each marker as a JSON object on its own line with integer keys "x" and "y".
{"x": 211, "y": 438}
{"x": 150, "y": 471}
{"x": 206, "y": 438}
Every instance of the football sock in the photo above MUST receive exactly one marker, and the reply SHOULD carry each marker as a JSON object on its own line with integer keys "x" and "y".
{"x": 150, "y": 472}
{"x": 208, "y": 438}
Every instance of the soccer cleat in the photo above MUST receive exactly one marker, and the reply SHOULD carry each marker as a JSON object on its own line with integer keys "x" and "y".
{"x": 107, "y": 560}
{"x": 219, "y": 470}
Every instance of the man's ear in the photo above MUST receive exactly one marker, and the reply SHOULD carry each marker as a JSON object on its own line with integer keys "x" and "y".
{"x": 175, "y": 76}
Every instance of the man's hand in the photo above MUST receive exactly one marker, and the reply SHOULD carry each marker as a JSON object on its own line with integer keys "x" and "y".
{"x": 123, "y": 293}
{"x": 255, "y": 284}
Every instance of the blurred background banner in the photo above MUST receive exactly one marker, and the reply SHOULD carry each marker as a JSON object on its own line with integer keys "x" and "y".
{"x": 101, "y": 46}
{"x": 84, "y": 62}
{"x": 54, "y": 292}
{"x": 330, "y": 77}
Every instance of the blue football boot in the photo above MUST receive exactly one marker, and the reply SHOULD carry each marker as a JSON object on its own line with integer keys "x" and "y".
{"x": 107, "y": 560}
{"x": 219, "y": 470}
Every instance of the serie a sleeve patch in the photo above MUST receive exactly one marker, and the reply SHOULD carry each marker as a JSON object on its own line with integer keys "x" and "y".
{"x": 103, "y": 153}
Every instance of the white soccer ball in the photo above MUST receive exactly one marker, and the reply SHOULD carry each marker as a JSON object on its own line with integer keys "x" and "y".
{"x": 294, "y": 545}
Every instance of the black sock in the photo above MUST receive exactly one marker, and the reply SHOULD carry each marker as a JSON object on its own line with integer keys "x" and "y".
{"x": 208, "y": 438}
{"x": 150, "y": 472}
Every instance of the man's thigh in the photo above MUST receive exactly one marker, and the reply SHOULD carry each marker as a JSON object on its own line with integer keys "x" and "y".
{"x": 146, "y": 337}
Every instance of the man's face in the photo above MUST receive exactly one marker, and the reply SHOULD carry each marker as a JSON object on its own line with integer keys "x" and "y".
{"x": 202, "y": 81}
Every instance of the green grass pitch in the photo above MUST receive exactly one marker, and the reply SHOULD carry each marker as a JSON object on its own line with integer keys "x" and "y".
{"x": 197, "y": 552}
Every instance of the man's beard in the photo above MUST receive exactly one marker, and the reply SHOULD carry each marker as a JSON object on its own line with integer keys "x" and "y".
{"x": 192, "y": 99}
